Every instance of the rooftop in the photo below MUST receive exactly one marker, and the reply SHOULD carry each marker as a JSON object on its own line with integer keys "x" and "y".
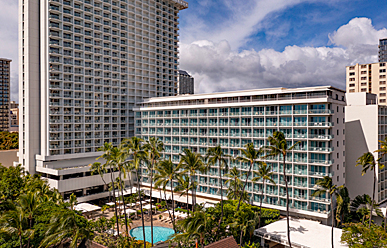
{"x": 303, "y": 233}
{"x": 228, "y": 242}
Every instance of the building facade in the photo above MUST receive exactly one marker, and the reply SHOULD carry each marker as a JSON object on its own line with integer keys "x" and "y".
{"x": 369, "y": 78}
{"x": 382, "y": 50}
{"x": 5, "y": 84}
{"x": 312, "y": 116}
{"x": 366, "y": 124}
{"x": 186, "y": 83}
{"x": 14, "y": 116}
{"x": 83, "y": 66}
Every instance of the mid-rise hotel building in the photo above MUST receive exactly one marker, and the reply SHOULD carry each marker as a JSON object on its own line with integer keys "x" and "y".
{"x": 83, "y": 66}
{"x": 312, "y": 116}
{"x": 369, "y": 78}
{"x": 5, "y": 84}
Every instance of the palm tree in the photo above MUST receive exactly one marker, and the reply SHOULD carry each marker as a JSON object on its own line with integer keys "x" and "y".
{"x": 367, "y": 162}
{"x": 14, "y": 222}
{"x": 249, "y": 155}
{"x": 167, "y": 172}
{"x": 100, "y": 169}
{"x": 216, "y": 155}
{"x": 342, "y": 204}
{"x": 184, "y": 186}
{"x": 107, "y": 156}
{"x": 152, "y": 147}
{"x": 279, "y": 147}
{"x": 263, "y": 173}
{"x": 197, "y": 226}
{"x": 73, "y": 201}
{"x": 326, "y": 185}
{"x": 362, "y": 204}
{"x": 64, "y": 226}
{"x": 192, "y": 163}
{"x": 242, "y": 223}
{"x": 234, "y": 184}
{"x": 133, "y": 147}
{"x": 119, "y": 160}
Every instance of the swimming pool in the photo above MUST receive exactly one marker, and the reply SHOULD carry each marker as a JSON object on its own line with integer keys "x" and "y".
{"x": 159, "y": 233}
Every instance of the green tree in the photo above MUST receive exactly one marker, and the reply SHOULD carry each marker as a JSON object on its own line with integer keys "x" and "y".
{"x": 215, "y": 155}
{"x": 192, "y": 163}
{"x": 263, "y": 173}
{"x": 358, "y": 235}
{"x": 66, "y": 226}
{"x": 133, "y": 147}
{"x": 363, "y": 206}
{"x": 11, "y": 182}
{"x": 15, "y": 222}
{"x": 367, "y": 162}
{"x": 279, "y": 147}
{"x": 153, "y": 147}
{"x": 326, "y": 186}
{"x": 184, "y": 186}
{"x": 234, "y": 184}
{"x": 342, "y": 204}
{"x": 167, "y": 172}
{"x": 249, "y": 155}
{"x": 101, "y": 170}
{"x": 198, "y": 226}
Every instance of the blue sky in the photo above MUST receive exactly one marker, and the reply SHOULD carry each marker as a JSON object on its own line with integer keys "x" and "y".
{"x": 245, "y": 44}
{"x": 232, "y": 45}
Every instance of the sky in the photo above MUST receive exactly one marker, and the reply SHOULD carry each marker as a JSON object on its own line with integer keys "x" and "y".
{"x": 248, "y": 44}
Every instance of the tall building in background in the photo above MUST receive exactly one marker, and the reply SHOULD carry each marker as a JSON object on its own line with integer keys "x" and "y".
{"x": 186, "y": 83}
{"x": 365, "y": 125}
{"x": 14, "y": 117}
{"x": 312, "y": 116}
{"x": 369, "y": 78}
{"x": 383, "y": 50}
{"x": 5, "y": 84}
{"x": 83, "y": 66}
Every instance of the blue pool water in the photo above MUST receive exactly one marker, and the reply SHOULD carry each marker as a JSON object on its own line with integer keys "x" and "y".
{"x": 159, "y": 233}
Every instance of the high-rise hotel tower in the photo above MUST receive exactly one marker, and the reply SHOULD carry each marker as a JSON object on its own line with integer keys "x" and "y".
{"x": 83, "y": 66}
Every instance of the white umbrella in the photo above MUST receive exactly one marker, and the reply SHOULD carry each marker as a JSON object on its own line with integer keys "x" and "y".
{"x": 129, "y": 211}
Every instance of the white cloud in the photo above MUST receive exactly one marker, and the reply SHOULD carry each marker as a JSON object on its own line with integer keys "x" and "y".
{"x": 217, "y": 67}
{"x": 358, "y": 31}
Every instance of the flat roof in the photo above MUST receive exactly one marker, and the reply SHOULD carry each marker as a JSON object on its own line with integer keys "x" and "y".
{"x": 264, "y": 91}
{"x": 303, "y": 233}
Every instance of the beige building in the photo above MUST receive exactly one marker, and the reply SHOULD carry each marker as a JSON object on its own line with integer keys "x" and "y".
{"x": 14, "y": 117}
{"x": 369, "y": 78}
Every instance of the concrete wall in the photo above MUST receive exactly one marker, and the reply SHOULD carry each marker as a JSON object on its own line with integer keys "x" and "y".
{"x": 8, "y": 157}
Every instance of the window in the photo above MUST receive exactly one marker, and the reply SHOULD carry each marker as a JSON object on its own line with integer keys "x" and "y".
{"x": 352, "y": 74}
{"x": 337, "y": 121}
{"x": 337, "y": 134}
{"x": 337, "y": 109}
{"x": 382, "y": 76}
{"x": 351, "y": 90}
{"x": 352, "y": 79}
{"x": 337, "y": 178}
{"x": 351, "y": 85}
{"x": 352, "y": 68}
{"x": 363, "y": 72}
{"x": 382, "y": 64}
{"x": 382, "y": 94}
{"x": 337, "y": 167}
{"x": 363, "y": 66}
{"x": 337, "y": 155}
{"x": 382, "y": 88}
{"x": 363, "y": 78}
{"x": 382, "y": 70}
{"x": 382, "y": 100}
{"x": 382, "y": 82}
{"x": 364, "y": 84}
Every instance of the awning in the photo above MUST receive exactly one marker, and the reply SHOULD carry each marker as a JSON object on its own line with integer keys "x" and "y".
{"x": 86, "y": 207}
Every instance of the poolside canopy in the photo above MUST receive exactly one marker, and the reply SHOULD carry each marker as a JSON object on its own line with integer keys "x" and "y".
{"x": 86, "y": 207}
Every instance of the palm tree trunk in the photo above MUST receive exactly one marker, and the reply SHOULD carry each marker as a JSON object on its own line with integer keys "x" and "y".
{"x": 333, "y": 219}
{"x": 260, "y": 204}
{"x": 114, "y": 198}
{"x": 244, "y": 186}
{"x": 221, "y": 196}
{"x": 187, "y": 204}
{"x": 373, "y": 199}
{"x": 287, "y": 202}
{"x": 173, "y": 208}
{"x": 123, "y": 202}
{"x": 21, "y": 241}
{"x": 142, "y": 213}
{"x": 240, "y": 238}
{"x": 150, "y": 202}
{"x": 193, "y": 193}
